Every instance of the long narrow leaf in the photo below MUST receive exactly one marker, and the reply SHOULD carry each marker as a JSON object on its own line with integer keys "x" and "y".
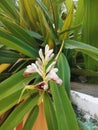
{"x": 64, "y": 112}
{"x": 14, "y": 83}
{"x": 67, "y": 22}
{"x": 19, "y": 32}
{"x": 82, "y": 47}
{"x": 19, "y": 113}
{"x": 11, "y": 89}
{"x": 9, "y": 9}
{"x": 17, "y": 44}
{"x": 45, "y": 10}
{"x": 31, "y": 118}
{"x": 50, "y": 113}
{"x": 64, "y": 75}
{"x": 90, "y": 31}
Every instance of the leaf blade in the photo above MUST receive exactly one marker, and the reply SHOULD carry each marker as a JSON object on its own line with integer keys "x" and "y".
{"x": 17, "y": 44}
{"x": 62, "y": 64}
{"x": 31, "y": 118}
{"x": 50, "y": 113}
{"x": 19, "y": 113}
{"x": 67, "y": 119}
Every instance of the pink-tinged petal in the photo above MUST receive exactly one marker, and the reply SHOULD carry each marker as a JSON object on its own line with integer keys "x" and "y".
{"x": 53, "y": 76}
{"x": 58, "y": 81}
{"x": 30, "y": 69}
{"x": 26, "y": 74}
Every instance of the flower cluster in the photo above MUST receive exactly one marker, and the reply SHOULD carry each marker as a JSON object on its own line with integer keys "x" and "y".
{"x": 40, "y": 67}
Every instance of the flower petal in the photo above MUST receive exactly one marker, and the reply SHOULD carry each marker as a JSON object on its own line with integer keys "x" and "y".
{"x": 53, "y": 76}
{"x": 30, "y": 69}
{"x": 50, "y": 66}
{"x": 48, "y": 55}
{"x": 41, "y": 55}
{"x": 46, "y": 49}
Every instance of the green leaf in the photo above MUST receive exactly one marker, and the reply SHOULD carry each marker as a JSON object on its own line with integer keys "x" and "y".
{"x": 50, "y": 113}
{"x": 14, "y": 83}
{"x": 9, "y": 8}
{"x": 18, "y": 114}
{"x": 3, "y": 76}
{"x": 11, "y": 88}
{"x": 8, "y": 56}
{"x": 31, "y": 118}
{"x": 34, "y": 34}
{"x": 64, "y": 112}
{"x": 90, "y": 31}
{"x": 10, "y": 101}
{"x": 44, "y": 8}
{"x": 82, "y": 47}
{"x": 67, "y": 22}
{"x": 79, "y": 20}
{"x": 19, "y": 32}
{"x": 17, "y": 44}
{"x": 64, "y": 72}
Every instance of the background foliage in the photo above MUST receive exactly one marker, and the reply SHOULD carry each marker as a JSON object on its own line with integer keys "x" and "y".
{"x": 26, "y": 26}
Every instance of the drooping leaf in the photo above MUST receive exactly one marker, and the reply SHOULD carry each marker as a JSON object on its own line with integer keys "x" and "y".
{"x": 17, "y": 44}
{"x": 82, "y": 47}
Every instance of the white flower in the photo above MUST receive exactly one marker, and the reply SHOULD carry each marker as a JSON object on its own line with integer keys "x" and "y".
{"x": 48, "y": 54}
{"x": 30, "y": 69}
{"x": 41, "y": 55}
{"x": 42, "y": 68}
{"x": 53, "y": 76}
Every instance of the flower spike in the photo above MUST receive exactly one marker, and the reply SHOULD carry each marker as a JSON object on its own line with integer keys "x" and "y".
{"x": 41, "y": 67}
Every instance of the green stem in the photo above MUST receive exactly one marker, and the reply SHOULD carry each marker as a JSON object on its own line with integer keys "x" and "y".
{"x": 41, "y": 98}
{"x": 61, "y": 48}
